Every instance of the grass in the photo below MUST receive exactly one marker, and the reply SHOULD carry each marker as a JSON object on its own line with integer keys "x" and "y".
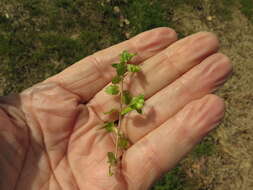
{"x": 205, "y": 148}
{"x": 174, "y": 180}
{"x": 247, "y": 8}
{"x": 144, "y": 15}
{"x": 39, "y": 39}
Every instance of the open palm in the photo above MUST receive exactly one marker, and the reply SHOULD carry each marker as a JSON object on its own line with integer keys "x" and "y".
{"x": 50, "y": 136}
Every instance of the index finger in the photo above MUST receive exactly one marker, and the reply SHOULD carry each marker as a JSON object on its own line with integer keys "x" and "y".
{"x": 88, "y": 76}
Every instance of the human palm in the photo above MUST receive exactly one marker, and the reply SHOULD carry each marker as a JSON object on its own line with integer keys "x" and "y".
{"x": 50, "y": 136}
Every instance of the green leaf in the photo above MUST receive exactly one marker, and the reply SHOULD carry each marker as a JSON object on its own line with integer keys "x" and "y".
{"x": 109, "y": 127}
{"x": 111, "y": 111}
{"x": 125, "y": 56}
{"x": 139, "y": 111}
{"x": 126, "y": 110}
{"x": 110, "y": 171}
{"x": 115, "y": 65}
{"x": 126, "y": 97}
{"x": 112, "y": 160}
{"x": 116, "y": 79}
{"x": 121, "y": 68}
{"x": 133, "y": 68}
{"x": 137, "y": 103}
{"x": 112, "y": 89}
{"x": 123, "y": 142}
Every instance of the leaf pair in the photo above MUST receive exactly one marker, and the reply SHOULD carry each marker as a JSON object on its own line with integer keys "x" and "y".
{"x": 125, "y": 56}
{"x": 136, "y": 103}
{"x": 122, "y": 68}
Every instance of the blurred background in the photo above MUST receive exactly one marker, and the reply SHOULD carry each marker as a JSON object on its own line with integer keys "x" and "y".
{"x": 39, "y": 38}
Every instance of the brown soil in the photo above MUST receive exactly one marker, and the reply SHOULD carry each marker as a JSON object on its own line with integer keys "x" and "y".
{"x": 231, "y": 167}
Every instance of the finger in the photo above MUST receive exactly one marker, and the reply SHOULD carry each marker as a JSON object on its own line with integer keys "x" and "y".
{"x": 196, "y": 83}
{"x": 88, "y": 76}
{"x": 164, "y": 147}
{"x": 165, "y": 67}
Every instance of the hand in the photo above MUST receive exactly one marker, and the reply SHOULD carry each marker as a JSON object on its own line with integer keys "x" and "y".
{"x": 50, "y": 137}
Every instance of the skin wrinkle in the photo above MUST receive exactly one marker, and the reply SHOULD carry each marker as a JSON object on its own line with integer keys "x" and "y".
{"x": 53, "y": 177}
{"x": 73, "y": 181}
{"x": 71, "y": 169}
{"x": 52, "y": 112}
{"x": 182, "y": 82}
{"x": 78, "y": 134}
{"x": 15, "y": 118}
{"x": 167, "y": 35}
{"x": 223, "y": 67}
{"x": 96, "y": 106}
{"x": 15, "y": 139}
{"x": 43, "y": 141}
{"x": 97, "y": 65}
{"x": 46, "y": 183}
{"x": 192, "y": 42}
{"x": 32, "y": 154}
{"x": 9, "y": 162}
{"x": 171, "y": 64}
{"x": 53, "y": 173}
{"x": 25, "y": 158}
{"x": 125, "y": 177}
{"x": 98, "y": 117}
{"x": 55, "y": 168}
{"x": 94, "y": 185}
{"x": 83, "y": 116}
{"x": 123, "y": 174}
{"x": 58, "y": 85}
{"x": 132, "y": 45}
{"x": 211, "y": 68}
{"x": 90, "y": 121}
{"x": 67, "y": 151}
{"x": 80, "y": 83}
{"x": 9, "y": 116}
{"x": 154, "y": 163}
{"x": 198, "y": 122}
{"x": 130, "y": 180}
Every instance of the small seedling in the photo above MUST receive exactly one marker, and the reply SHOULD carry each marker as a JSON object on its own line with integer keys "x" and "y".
{"x": 127, "y": 103}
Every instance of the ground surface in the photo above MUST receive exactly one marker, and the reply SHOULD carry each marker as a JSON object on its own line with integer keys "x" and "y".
{"x": 40, "y": 38}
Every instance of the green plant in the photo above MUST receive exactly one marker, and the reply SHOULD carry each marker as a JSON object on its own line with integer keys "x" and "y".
{"x": 205, "y": 148}
{"x": 173, "y": 180}
{"x": 247, "y": 8}
{"x": 127, "y": 103}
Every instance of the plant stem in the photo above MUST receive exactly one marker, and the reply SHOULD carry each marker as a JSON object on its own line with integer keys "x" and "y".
{"x": 120, "y": 118}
